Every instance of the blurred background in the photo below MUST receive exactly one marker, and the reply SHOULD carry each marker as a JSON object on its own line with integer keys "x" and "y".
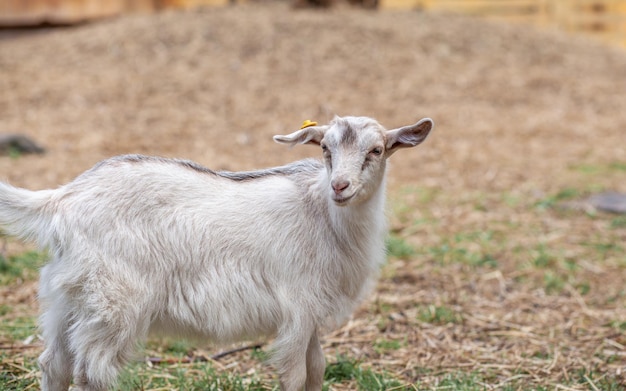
{"x": 174, "y": 77}
{"x": 503, "y": 270}
{"x": 604, "y": 18}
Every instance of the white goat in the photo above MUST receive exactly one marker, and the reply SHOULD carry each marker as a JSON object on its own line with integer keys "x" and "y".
{"x": 141, "y": 244}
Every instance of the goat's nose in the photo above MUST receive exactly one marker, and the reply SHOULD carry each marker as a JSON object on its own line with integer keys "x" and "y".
{"x": 340, "y": 185}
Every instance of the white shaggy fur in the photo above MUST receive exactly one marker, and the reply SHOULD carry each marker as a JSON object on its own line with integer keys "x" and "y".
{"x": 141, "y": 244}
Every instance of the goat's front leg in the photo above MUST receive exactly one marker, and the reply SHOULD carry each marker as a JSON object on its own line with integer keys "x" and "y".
{"x": 290, "y": 353}
{"x": 315, "y": 365}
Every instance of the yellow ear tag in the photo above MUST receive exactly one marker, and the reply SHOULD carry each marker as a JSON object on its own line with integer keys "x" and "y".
{"x": 308, "y": 123}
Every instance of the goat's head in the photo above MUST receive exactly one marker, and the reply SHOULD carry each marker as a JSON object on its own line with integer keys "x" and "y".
{"x": 355, "y": 150}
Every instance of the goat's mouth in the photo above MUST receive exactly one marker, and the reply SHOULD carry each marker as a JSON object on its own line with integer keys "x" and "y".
{"x": 343, "y": 200}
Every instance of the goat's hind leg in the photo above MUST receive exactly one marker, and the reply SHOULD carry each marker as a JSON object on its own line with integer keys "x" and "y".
{"x": 56, "y": 367}
{"x": 102, "y": 347}
{"x": 56, "y": 360}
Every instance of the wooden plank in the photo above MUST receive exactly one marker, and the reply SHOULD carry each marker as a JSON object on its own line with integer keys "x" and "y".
{"x": 485, "y": 6}
{"x": 479, "y": 3}
{"x": 604, "y": 19}
{"x": 193, "y": 3}
{"x": 597, "y": 16}
{"x": 19, "y": 12}
{"x": 471, "y": 6}
{"x": 531, "y": 11}
{"x": 34, "y": 12}
{"x": 398, "y": 4}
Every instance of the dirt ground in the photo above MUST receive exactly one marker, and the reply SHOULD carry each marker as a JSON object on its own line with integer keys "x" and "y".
{"x": 521, "y": 115}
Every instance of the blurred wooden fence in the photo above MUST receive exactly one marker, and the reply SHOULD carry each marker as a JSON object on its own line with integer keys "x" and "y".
{"x": 36, "y": 12}
{"x": 603, "y": 18}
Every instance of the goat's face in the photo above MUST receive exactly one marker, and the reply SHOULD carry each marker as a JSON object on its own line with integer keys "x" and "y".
{"x": 354, "y": 154}
{"x": 355, "y": 150}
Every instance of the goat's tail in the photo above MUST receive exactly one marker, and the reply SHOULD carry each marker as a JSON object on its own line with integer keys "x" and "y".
{"x": 22, "y": 212}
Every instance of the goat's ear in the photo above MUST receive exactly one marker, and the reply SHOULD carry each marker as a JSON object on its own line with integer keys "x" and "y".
{"x": 408, "y": 136}
{"x": 308, "y": 135}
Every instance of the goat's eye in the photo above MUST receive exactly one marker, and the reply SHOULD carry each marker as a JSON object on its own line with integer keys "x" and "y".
{"x": 376, "y": 151}
{"x": 324, "y": 147}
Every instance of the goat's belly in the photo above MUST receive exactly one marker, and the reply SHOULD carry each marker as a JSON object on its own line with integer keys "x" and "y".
{"x": 222, "y": 317}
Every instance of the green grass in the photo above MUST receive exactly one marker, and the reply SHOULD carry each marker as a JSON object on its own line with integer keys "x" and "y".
{"x": 581, "y": 379}
{"x": 439, "y": 315}
{"x": 553, "y": 270}
{"x": 618, "y": 325}
{"x": 5, "y": 309}
{"x": 385, "y": 345}
{"x": 599, "y": 169}
{"x": 195, "y": 376}
{"x": 18, "y": 328}
{"x": 23, "y": 266}
{"x": 460, "y": 382}
{"x": 553, "y": 283}
{"x": 203, "y": 376}
{"x": 606, "y": 248}
{"x": 345, "y": 370}
{"x": 342, "y": 370}
{"x": 563, "y": 195}
{"x": 18, "y": 373}
{"x": 474, "y": 249}
{"x": 399, "y": 248}
{"x": 543, "y": 257}
{"x": 175, "y": 347}
{"x": 14, "y": 152}
{"x": 618, "y": 222}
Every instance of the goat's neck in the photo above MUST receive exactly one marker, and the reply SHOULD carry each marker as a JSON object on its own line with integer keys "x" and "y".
{"x": 359, "y": 231}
